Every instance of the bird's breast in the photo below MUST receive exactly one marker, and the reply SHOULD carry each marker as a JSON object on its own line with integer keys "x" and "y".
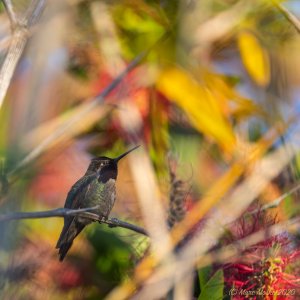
{"x": 103, "y": 195}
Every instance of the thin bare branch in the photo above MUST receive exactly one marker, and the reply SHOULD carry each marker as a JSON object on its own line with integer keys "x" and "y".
{"x": 277, "y": 201}
{"x": 59, "y": 212}
{"x": 21, "y": 29}
{"x": 288, "y": 15}
{"x": 15, "y": 51}
{"x": 10, "y": 12}
{"x": 34, "y": 12}
{"x": 63, "y": 212}
{"x": 76, "y": 118}
{"x": 114, "y": 222}
{"x": 43, "y": 146}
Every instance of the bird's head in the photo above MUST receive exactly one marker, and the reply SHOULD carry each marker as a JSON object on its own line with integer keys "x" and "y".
{"x": 107, "y": 168}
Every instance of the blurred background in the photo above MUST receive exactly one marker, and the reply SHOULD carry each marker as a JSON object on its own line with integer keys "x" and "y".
{"x": 209, "y": 89}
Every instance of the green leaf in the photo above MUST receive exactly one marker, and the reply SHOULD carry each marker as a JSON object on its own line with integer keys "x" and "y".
{"x": 213, "y": 288}
{"x": 204, "y": 275}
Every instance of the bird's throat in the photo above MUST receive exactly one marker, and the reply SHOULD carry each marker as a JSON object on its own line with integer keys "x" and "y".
{"x": 106, "y": 174}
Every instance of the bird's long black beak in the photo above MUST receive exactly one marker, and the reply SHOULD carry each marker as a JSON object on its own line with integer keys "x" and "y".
{"x": 124, "y": 154}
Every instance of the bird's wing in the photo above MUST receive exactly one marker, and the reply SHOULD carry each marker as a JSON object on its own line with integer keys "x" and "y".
{"x": 75, "y": 196}
{"x": 78, "y": 191}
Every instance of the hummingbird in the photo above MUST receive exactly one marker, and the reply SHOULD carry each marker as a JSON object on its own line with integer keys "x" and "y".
{"x": 96, "y": 188}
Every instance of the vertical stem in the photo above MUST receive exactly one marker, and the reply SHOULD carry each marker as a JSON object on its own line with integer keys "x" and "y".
{"x": 11, "y": 13}
{"x": 19, "y": 39}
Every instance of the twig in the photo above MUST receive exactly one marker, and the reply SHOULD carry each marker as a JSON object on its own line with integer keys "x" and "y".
{"x": 20, "y": 35}
{"x": 63, "y": 212}
{"x": 36, "y": 152}
{"x": 114, "y": 222}
{"x": 43, "y": 146}
{"x": 34, "y": 12}
{"x": 288, "y": 15}
{"x": 272, "y": 204}
{"x": 58, "y": 212}
{"x": 11, "y": 13}
{"x": 15, "y": 51}
{"x": 277, "y": 201}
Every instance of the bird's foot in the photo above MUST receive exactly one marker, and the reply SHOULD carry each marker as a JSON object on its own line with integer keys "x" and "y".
{"x": 102, "y": 219}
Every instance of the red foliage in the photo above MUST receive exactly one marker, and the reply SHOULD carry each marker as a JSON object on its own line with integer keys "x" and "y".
{"x": 57, "y": 176}
{"x": 261, "y": 273}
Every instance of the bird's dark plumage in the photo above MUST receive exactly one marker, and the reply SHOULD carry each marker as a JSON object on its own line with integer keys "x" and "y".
{"x": 95, "y": 188}
{"x": 71, "y": 227}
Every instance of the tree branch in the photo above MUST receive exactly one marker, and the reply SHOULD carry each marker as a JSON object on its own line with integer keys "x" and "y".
{"x": 275, "y": 203}
{"x": 21, "y": 29}
{"x": 114, "y": 222}
{"x": 63, "y": 212}
{"x": 288, "y": 15}
{"x": 98, "y": 99}
{"x": 10, "y": 12}
{"x": 36, "y": 152}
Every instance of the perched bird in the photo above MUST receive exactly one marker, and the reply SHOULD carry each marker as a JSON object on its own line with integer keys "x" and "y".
{"x": 96, "y": 188}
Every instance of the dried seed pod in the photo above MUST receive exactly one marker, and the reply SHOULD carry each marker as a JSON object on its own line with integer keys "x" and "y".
{"x": 177, "y": 197}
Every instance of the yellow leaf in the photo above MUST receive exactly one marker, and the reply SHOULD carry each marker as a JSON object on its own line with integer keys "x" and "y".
{"x": 232, "y": 103}
{"x": 254, "y": 57}
{"x": 200, "y": 105}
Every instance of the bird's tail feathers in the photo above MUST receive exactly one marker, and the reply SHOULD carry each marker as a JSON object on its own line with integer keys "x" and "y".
{"x": 64, "y": 236}
{"x": 63, "y": 250}
{"x": 68, "y": 234}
